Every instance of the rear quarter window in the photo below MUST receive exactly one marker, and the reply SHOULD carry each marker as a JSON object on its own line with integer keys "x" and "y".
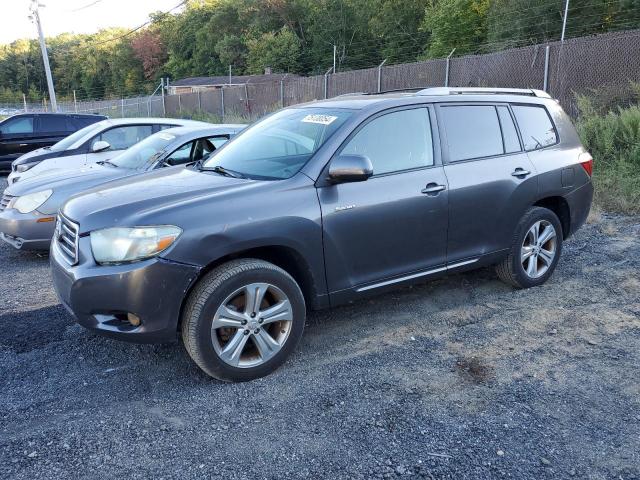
{"x": 535, "y": 125}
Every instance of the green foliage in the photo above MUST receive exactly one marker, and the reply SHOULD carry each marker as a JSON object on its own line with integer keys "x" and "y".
{"x": 518, "y": 22}
{"x": 613, "y": 138}
{"x": 459, "y": 24}
{"x": 295, "y": 36}
{"x": 280, "y": 51}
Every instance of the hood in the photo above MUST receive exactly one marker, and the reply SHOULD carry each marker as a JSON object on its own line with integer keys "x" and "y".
{"x": 41, "y": 154}
{"x": 157, "y": 197}
{"x": 77, "y": 179}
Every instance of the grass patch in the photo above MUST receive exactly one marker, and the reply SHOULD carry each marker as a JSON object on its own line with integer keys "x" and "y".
{"x": 613, "y": 138}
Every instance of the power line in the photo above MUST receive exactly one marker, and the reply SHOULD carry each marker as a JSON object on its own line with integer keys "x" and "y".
{"x": 95, "y": 2}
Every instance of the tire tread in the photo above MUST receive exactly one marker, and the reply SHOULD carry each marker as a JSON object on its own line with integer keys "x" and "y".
{"x": 505, "y": 269}
{"x": 203, "y": 290}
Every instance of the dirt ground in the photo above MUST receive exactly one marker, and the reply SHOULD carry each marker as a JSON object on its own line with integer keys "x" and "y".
{"x": 463, "y": 377}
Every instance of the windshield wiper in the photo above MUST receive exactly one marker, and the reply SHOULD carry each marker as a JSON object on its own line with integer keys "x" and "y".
{"x": 223, "y": 171}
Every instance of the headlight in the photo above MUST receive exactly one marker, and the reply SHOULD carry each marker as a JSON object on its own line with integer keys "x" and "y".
{"x": 24, "y": 167}
{"x": 28, "y": 203}
{"x": 118, "y": 245}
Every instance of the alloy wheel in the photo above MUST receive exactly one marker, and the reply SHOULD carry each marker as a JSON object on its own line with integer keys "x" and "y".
{"x": 252, "y": 325}
{"x": 539, "y": 249}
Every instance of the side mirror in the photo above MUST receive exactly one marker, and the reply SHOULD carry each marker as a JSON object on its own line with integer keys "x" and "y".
{"x": 350, "y": 168}
{"x": 100, "y": 146}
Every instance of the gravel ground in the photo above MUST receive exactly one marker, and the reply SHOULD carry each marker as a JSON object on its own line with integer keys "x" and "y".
{"x": 459, "y": 378}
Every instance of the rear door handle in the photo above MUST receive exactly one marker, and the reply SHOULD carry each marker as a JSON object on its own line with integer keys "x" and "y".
{"x": 520, "y": 173}
{"x": 433, "y": 189}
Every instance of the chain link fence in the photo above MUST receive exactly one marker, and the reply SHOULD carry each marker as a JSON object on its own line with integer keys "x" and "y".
{"x": 148, "y": 106}
{"x": 609, "y": 63}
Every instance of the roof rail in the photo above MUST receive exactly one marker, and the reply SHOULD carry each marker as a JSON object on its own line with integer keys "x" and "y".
{"x": 382, "y": 92}
{"x": 349, "y": 94}
{"x": 437, "y": 91}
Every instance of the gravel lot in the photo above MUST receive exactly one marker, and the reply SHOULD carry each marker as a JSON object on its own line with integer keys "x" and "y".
{"x": 463, "y": 377}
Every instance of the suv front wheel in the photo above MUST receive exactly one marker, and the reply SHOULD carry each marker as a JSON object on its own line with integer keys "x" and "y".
{"x": 535, "y": 249}
{"x": 243, "y": 320}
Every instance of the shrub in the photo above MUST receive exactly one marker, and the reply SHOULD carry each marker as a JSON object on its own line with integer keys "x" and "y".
{"x": 613, "y": 138}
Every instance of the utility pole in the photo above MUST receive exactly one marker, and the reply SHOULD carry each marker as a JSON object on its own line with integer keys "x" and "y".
{"x": 564, "y": 19}
{"x": 334, "y": 58}
{"x": 35, "y": 16}
{"x": 229, "y": 74}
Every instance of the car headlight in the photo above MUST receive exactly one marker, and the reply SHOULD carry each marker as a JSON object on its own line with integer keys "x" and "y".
{"x": 28, "y": 203}
{"x": 24, "y": 167}
{"x": 119, "y": 244}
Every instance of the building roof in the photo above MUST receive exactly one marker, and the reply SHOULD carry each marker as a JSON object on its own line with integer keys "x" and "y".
{"x": 224, "y": 80}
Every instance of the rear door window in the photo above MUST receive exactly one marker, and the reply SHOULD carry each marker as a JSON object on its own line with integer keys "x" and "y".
{"x": 17, "y": 126}
{"x": 535, "y": 126}
{"x": 472, "y": 131}
{"x": 121, "y": 138}
{"x": 396, "y": 141}
{"x": 51, "y": 124}
{"x": 509, "y": 133}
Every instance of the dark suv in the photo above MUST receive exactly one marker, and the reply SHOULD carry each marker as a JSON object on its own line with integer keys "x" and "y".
{"x": 25, "y": 132}
{"x": 321, "y": 204}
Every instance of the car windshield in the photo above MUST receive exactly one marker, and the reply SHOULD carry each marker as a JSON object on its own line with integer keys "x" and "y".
{"x": 68, "y": 142}
{"x": 278, "y": 146}
{"x": 143, "y": 153}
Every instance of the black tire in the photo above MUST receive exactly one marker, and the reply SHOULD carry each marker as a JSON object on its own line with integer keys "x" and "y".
{"x": 209, "y": 294}
{"x": 511, "y": 270}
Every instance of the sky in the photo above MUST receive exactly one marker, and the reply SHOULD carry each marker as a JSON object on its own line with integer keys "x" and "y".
{"x": 75, "y": 16}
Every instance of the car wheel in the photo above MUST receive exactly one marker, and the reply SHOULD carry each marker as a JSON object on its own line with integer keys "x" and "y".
{"x": 243, "y": 320}
{"x": 535, "y": 249}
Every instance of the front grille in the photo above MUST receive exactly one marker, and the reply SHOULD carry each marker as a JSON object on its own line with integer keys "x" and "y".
{"x": 5, "y": 201}
{"x": 66, "y": 237}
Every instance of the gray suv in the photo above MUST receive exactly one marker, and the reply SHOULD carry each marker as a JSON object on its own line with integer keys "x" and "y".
{"x": 318, "y": 205}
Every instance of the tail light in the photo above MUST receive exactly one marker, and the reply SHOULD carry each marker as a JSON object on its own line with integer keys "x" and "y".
{"x": 586, "y": 160}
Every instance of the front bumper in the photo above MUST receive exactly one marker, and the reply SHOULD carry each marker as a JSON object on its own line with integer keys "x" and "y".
{"x": 26, "y": 231}
{"x": 101, "y": 296}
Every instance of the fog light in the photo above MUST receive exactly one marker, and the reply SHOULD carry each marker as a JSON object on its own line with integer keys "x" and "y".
{"x": 134, "y": 319}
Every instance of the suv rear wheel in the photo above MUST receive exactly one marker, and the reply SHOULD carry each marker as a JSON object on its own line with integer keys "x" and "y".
{"x": 243, "y": 320}
{"x": 535, "y": 249}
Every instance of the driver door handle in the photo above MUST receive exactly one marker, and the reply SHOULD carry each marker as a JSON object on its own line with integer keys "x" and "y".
{"x": 433, "y": 189}
{"x": 519, "y": 172}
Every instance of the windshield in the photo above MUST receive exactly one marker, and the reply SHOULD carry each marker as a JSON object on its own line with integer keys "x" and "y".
{"x": 68, "y": 142}
{"x": 144, "y": 152}
{"x": 280, "y": 145}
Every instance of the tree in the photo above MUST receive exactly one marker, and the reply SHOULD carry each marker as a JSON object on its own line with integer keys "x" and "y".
{"x": 278, "y": 50}
{"x": 232, "y": 50}
{"x": 396, "y": 25}
{"x": 149, "y": 49}
{"x": 459, "y": 24}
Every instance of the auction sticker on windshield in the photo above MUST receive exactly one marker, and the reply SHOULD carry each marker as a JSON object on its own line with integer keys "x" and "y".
{"x": 321, "y": 119}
